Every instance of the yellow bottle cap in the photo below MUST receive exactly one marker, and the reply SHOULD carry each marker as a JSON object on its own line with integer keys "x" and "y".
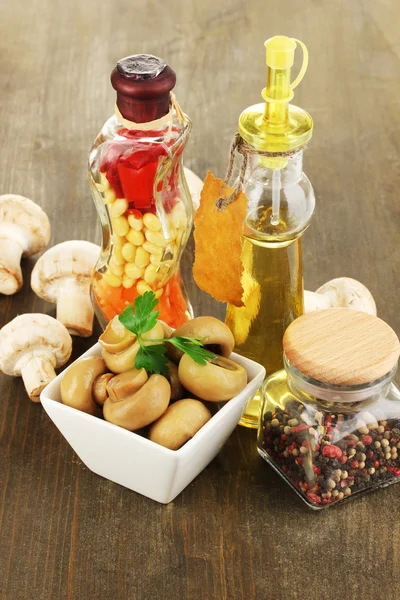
{"x": 280, "y": 52}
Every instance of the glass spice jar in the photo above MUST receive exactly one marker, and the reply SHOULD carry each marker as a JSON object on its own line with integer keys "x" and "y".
{"x": 330, "y": 420}
{"x": 139, "y": 188}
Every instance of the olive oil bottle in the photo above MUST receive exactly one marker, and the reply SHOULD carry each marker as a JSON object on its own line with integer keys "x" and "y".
{"x": 280, "y": 206}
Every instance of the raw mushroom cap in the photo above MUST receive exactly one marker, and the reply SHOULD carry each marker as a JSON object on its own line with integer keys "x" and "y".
{"x": 62, "y": 276}
{"x": 24, "y": 221}
{"x": 350, "y": 293}
{"x": 195, "y": 185}
{"x": 24, "y": 231}
{"x": 33, "y": 345}
{"x": 74, "y": 259}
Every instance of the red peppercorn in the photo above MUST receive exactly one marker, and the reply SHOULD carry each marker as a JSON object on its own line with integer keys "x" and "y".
{"x": 299, "y": 461}
{"x": 326, "y": 500}
{"x": 354, "y": 464}
{"x": 376, "y": 463}
{"x": 343, "y": 460}
{"x": 316, "y": 470}
{"x": 313, "y": 497}
{"x": 299, "y": 428}
{"x": 396, "y": 472}
{"x": 394, "y": 440}
{"x": 343, "y": 483}
{"x": 367, "y": 439}
{"x": 370, "y": 454}
{"x": 389, "y": 469}
{"x": 332, "y": 451}
{"x": 306, "y": 486}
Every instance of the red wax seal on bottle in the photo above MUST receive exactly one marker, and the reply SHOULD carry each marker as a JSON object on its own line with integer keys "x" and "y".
{"x": 143, "y": 83}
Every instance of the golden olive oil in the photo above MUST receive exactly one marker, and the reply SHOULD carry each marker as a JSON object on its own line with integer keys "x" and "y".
{"x": 273, "y": 297}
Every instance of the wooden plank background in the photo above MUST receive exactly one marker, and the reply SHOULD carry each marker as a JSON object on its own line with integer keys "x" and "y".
{"x": 237, "y": 532}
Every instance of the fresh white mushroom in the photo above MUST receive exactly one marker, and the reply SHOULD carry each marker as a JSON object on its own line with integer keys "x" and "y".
{"x": 32, "y": 346}
{"x": 195, "y": 185}
{"x": 343, "y": 291}
{"x": 62, "y": 276}
{"x": 24, "y": 231}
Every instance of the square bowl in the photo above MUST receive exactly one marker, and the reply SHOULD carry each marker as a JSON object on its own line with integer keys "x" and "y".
{"x": 134, "y": 461}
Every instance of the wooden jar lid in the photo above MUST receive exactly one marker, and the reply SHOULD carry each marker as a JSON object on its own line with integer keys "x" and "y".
{"x": 341, "y": 346}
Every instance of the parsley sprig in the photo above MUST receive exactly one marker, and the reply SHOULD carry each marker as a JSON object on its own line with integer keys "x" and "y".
{"x": 143, "y": 317}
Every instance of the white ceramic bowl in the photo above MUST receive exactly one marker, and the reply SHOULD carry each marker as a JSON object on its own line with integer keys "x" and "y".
{"x": 134, "y": 461}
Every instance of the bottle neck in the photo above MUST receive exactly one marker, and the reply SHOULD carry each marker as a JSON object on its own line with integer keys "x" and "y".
{"x": 261, "y": 168}
{"x": 336, "y": 397}
{"x": 278, "y": 88}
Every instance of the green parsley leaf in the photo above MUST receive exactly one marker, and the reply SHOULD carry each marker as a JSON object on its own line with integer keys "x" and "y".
{"x": 193, "y": 348}
{"x": 152, "y": 358}
{"x": 143, "y": 317}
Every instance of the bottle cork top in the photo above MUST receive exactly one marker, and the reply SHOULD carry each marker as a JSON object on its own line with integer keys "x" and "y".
{"x": 341, "y": 346}
{"x": 143, "y": 83}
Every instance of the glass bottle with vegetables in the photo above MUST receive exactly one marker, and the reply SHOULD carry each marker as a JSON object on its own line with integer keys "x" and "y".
{"x": 279, "y": 209}
{"x": 140, "y": 191}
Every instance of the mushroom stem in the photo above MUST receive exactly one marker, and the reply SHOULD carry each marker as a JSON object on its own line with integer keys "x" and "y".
{"x": 74, "y": 308}
{"x": 36, "y": 374}
{"x": 10, "y": 268}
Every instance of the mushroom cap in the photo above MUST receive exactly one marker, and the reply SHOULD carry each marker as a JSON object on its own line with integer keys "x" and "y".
{"x": 216, "y": 336}
{"x": 32, "y": 335}
{"x": 195, "y": 185}
{"x": 74, "y": 259}
{"x": 24, "y": 221}
{"x": 348, "y": 293}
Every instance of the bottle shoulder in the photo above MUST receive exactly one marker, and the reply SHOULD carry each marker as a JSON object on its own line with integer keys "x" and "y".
{"x": 115, "y": 141}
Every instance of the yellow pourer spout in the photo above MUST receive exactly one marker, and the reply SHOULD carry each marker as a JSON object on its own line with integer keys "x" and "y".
{"x": 279, "y": 91}
{"x": 276, "y": 126}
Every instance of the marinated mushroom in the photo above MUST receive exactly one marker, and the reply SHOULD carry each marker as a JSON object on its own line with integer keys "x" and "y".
{"x": 77, "y": 384}
{"x": 180, "y": 422}
{"x": 141, "y": 408}
{"x": 62, "y": 276}
{"x": 32, "y": 346}
{"x": 126, "y": 383}
{"x": 99, "y": 388}
{"x": 168, "y": 331}
{"x": 219, "y": 380}
{"x": 177, "y": 389}
{"x": 217, "y": 337}
{"x": 24, "y": 231}
{"x": 116, "y": 338}
{"x": 118, "y": 362}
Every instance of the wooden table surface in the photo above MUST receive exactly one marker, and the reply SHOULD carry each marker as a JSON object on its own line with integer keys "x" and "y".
{"x": 237, "y": 532}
